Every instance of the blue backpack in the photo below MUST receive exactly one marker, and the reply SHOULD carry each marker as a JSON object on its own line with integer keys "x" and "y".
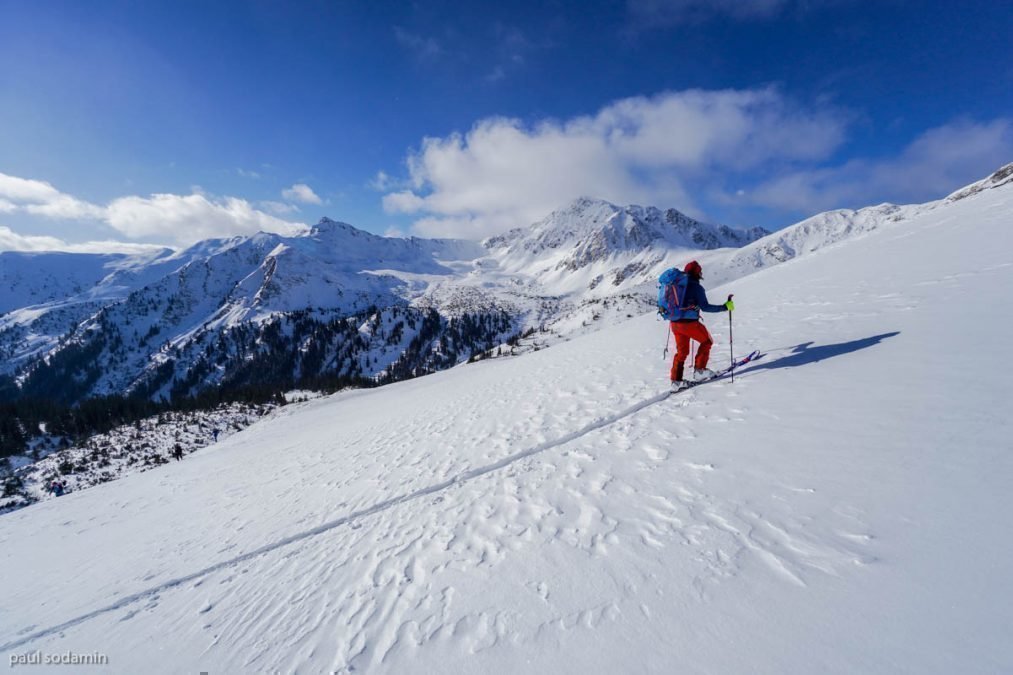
{"x": 672, "y": 294}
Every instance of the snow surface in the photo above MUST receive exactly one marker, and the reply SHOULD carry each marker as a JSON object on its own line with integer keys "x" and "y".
{"x": 841, "y": 507}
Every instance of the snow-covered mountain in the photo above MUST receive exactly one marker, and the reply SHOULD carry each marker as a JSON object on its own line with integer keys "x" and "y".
{"x": 334, "y": 300}
{"x": 193, "y": 314}
{"x": 837, "y": 508}
{"x": 339, "y": 302}
{"x": 591, "y": 231}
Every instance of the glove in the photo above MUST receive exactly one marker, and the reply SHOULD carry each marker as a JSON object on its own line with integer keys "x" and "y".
{"x": 730, "y": 306}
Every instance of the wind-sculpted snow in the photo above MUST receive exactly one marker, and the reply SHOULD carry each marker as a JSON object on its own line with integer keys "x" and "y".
{"x": 835, "y": 509}
{"x": 347, "y": 520}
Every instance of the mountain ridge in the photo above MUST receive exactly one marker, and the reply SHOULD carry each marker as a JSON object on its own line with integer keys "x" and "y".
{"x": 338, "y": 299}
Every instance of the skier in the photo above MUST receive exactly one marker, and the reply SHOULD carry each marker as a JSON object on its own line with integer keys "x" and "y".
{"x": 177, "y": 452}
{"x": 687, "y": 326}
{"x": 58, "y": 488}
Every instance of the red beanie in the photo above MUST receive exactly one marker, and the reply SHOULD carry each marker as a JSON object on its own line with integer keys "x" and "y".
{"x": 694, "y": 270}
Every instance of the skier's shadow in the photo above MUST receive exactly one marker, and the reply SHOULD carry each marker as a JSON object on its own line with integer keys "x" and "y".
{"x": 806, "y": 353}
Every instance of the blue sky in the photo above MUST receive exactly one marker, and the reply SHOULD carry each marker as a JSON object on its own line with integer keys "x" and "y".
{"x": 166, "y": 122}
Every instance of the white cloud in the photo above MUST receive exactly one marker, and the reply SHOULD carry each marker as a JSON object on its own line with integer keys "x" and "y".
{"x": 382, "y": 182}
{"x": 26, "y": 190}
{"x": 110, "y": 246}
{"x": 12, "y": 241}
{"x": 504, "y": 173}
{"x": 65, "y": 207}
{"x": 937, "y": 162}
{"x": 405, "y": 201}
{"x": 42, "y": 199}
{"x": 183, "y": 219}
{"x": 300, "y": 192}
{"x": 190, "y": 218}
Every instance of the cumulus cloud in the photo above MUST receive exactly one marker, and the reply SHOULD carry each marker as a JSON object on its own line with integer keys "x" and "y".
{"x": 504, "y": 173}
{"x": 66, "y": 207}
{"x": 190, "y": 218}
{"x": 183, "y": 219}
{"x": 934, "y": 164}
{"x": 42, "y": 199}
{"x": 300, "y": 192}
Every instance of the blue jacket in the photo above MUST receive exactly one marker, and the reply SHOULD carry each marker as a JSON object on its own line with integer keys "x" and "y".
{"x": 695, "y": 301}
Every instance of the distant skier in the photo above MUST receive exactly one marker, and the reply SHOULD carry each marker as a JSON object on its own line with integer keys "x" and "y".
{"x": 216, "y": 434}
{"x": 686, "y": 326}
{"x": 177, "y": 452}
{"x": 58, "y": 487}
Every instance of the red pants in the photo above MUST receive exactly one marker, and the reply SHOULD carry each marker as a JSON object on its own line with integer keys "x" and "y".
{"x": 685, "y": 331}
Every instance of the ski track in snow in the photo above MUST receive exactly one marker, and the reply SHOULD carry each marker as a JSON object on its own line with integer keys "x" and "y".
{"x": 476, "y": 528}
{"x": 346, "y": 520}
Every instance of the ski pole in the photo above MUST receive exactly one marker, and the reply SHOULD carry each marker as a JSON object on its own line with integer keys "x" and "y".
{"x": 668, "y": 338}
{"x": 731, "y": 342}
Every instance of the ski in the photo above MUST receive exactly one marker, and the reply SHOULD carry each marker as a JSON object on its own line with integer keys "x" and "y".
{"x": 721, "y": 373}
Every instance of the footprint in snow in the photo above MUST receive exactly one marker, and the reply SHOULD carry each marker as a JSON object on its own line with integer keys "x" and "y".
{"x": 656, "y": 454}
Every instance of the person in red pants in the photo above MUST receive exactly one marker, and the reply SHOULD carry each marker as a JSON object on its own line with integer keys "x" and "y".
{"x": 687, "y": 326}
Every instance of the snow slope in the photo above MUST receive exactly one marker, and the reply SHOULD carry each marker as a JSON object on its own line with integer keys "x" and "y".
{"x": 841, "y": 507}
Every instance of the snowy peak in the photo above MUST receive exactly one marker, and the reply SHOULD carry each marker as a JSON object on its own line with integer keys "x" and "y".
{"x": 1003, "y": 176}
{"x": 335, "y": 232}
{"x": 354, "y": 250}
{"x": 594, "y": 230}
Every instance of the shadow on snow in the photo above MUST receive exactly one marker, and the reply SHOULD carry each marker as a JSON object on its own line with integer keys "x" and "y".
{"x": 805, "y": 353}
